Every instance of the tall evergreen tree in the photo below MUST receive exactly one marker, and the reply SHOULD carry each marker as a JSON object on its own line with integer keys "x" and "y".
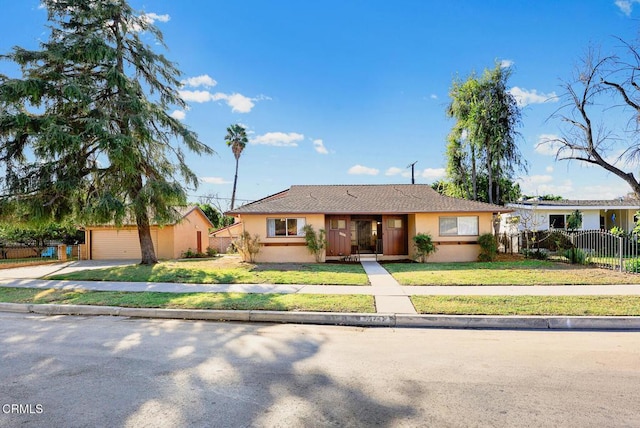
{"x": 236, "y": 138}
{"x": 482, "y": 142}
{"x": 85, "y": 131}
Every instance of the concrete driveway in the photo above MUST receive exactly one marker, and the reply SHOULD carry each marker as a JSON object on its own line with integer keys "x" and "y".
{"x": 40, "y": 271}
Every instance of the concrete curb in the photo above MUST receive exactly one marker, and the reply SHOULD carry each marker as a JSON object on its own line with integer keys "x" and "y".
{"x": 346, "y": 319}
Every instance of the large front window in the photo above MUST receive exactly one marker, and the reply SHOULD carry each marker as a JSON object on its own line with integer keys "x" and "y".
{"x": 285, "y": 226}
{"x": 459, "y": 226}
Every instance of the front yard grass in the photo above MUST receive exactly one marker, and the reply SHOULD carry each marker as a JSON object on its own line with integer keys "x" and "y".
{"x": 528, "y": 305}
{"x": 227, "y": 271}
{"x": 521, "y": 272}
{"x": 228, "y": 301}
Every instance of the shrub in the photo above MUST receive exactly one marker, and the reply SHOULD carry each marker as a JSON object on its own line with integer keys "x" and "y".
{"x": 488, "y": 247}
{"x": 576, "y": 256}
{"x": 424, "y": 246}
{"x": 632, "y": 265}
{"x": 316, "y": 243}
{"x": 248, "y": 246}
{"x": 211, "y": 252}
{"x": 191, "y": 254}
{"x": 538, "y": 254}
{"x": 617, "y": 231}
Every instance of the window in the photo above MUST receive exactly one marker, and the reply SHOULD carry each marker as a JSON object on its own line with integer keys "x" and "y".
{"x": 285, "y": 226}
{"x": 556, "y": 221}
{"x": 459, "y": 226}
{"x": 394, "y": 223}
{"x": 337, "y": 224}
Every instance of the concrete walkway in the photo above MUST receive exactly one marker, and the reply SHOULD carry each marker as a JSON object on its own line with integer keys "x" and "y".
{"x": 390, "y": 296}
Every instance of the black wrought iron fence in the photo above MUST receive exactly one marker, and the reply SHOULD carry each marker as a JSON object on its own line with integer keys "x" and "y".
{"x": 593, "y": 247}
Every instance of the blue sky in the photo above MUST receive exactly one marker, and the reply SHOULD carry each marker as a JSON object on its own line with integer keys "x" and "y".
{"x": 352, "y": 91}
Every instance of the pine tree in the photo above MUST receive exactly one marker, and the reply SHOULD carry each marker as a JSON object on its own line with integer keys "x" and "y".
{"x": 85, "y": 131}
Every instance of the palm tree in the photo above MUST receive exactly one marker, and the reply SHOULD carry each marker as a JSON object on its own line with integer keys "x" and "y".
{"x": 236, "y": 138}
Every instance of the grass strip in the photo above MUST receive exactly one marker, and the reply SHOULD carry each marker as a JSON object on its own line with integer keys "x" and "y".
{"x": 194, "y": 273}
{"x": 234, "y": 301}
{"x": 528, "y": 305}
{"x": 527, "y": 272}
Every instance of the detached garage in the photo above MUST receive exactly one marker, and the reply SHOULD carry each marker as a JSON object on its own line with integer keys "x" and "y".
{"x": 170, "y": 241}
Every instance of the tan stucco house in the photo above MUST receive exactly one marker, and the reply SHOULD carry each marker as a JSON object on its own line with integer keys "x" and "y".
{"x": 108, "y": 242}
{"x": 363, "y": 219}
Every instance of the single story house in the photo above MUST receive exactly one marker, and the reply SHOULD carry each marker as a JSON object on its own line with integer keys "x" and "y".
{"x": 110, "y": 242}
{"x": 537, "y": 214}
{"x": 377, "y": 219}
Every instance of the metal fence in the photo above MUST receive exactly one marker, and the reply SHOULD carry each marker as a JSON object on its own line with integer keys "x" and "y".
{"x": 22, "y": 253}
{"x": 590, "y": 247}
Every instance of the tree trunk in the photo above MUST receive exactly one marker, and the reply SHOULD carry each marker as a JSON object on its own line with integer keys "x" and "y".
{"x": 474, "y": 184}
{"x": 146, "y": 243}
{"x": 144, "y": 228}
{"x": 489, "y": 174}
{"x": 235, "y": 181}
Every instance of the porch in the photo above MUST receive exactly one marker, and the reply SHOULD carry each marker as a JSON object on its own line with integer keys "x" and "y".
{"x": 380, "y": 237}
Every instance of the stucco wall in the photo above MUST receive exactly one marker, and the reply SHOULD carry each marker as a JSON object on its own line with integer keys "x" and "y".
{"x": 285, "y": 248}
{"x": 185, "y": 234}
{"x": 450, "y": 248}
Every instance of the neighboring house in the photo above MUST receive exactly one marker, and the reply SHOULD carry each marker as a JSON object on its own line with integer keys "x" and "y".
{"x": 108, "y": 242}
{"x": 221, "y": 239}
{"x": 362, "y": 219}
{"x": 596, "y": 215}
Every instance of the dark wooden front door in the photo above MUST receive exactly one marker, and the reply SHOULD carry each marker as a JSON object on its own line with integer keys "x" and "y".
{"x": 338, "y": 235}
{"x": 394, "y": 235}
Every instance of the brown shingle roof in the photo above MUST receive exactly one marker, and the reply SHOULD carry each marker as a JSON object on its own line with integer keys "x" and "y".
{"x": 363, "y": 199}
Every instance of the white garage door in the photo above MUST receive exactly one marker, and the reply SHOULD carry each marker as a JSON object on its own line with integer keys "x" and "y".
{"x": 118, "y": 244}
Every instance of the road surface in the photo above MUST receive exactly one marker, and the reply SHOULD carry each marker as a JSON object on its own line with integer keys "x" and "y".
{"x": 110, "y": 371}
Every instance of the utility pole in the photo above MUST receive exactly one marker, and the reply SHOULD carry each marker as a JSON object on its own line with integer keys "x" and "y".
{"x": 412, "y": 165}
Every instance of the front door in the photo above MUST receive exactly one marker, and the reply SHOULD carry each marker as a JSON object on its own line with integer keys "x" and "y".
{"x": 394, "y": 234}
{"x": 338, "y": 237}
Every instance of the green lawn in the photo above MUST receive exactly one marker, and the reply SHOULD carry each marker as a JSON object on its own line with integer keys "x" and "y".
{"x": 529, "y": 305}
{"x": 221, "y": 272}
{"x": 233, "y": 301}
{"x": 523, "y": 272}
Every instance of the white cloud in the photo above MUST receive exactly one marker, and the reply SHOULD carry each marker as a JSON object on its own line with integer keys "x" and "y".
{"x": 319, "y": 147}
{"x": 433, "y": 173}
{"x": 506, "y": 63}
{"x": 202, "y": 80}
{"x": 626, "y": 6}
{"x": 278, "y": 139}
{"x": 178, "y": 114}
{"x": 394, "y": 170}
{"x": 549, "y": 168}
{"x": 239, "y": 103}
{"x": 197, "y": 96}
{"x": 547, "y": 146}
{"x": 214, "y": 180}
{"x": 362, "y": 170}
{"x": 433, "y": 96}
{"x": 546, "y": 185}
{"x": 153, "y": 17}
{"x": 525, "y": 97}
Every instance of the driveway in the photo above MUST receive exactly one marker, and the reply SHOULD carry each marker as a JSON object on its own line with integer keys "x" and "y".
{"x": 39, "y": 271}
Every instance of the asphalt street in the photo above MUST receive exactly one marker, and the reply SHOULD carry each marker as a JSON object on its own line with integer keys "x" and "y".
{"x": 65, "y": 371}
